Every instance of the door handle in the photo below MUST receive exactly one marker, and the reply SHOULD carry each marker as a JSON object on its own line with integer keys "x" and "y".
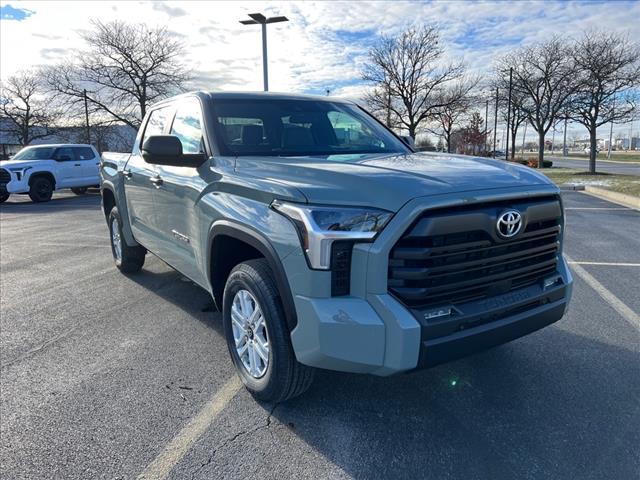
{"x": 127, "y": 174}
{"x": 157, "y": 181}
{"x": 77, "y": 165}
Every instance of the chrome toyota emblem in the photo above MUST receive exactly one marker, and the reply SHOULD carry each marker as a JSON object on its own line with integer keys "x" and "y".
{"x": 509, "y": 223}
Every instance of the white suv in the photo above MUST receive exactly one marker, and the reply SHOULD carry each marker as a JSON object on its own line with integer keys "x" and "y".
{"x": 41, "y": 169}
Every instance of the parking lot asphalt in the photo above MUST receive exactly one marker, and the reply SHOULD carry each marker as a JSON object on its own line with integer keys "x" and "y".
{"x": 109, "y": 376}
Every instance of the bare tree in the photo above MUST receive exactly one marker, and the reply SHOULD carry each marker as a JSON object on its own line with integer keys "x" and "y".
{"x": 409, "y": 77}
{"x": 545, "y": 78}
{"x": 29, "y": 114}
{"x": 127, "y": 67}
{"x": 456, "y": 101}
{"x": 609, "y": 68}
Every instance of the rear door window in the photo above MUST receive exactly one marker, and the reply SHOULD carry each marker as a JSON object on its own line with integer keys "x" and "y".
{"x": 64, "y": 154}
{"x": 84, "y": 153}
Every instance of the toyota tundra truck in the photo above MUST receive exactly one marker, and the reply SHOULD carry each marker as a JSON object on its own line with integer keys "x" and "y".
{"x": 326, "y": 242}
{"x": 41, "y": 169}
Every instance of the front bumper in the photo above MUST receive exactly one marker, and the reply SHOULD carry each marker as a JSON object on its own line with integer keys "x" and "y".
{"x": 14, "y": 185}
{"x": 382, "y": 337}
{"x": 371, "y": 331}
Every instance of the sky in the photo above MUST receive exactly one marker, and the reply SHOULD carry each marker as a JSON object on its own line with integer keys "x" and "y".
{"x": 323, "y": 46}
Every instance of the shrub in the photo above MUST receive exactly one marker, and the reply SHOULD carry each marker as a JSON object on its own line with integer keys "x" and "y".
{"x": 533, "y": 163}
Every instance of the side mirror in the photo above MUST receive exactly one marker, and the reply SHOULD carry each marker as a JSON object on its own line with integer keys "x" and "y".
{"x": 408, "y": 140}
{"x": 167, "y": 150}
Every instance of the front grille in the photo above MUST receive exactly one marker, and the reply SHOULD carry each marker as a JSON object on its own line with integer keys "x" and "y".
{"x": 452, "y": 256}
{"x": 5, "y": 176}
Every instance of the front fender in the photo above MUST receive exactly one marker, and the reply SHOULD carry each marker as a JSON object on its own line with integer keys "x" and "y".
{"x": 258, "y": 241}
{"x": 120, "y": 202}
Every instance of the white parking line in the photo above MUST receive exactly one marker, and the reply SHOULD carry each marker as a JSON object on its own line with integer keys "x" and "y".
{"x": 629, "y": 315}
{"x": 597, "y": 208}
{"x": 182, "y": 442}
{"x": 607, "y": 264}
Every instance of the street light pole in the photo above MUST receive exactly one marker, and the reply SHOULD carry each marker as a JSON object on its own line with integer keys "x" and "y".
{"x": 495, "y": 127}
{"x": 259, "y": 19}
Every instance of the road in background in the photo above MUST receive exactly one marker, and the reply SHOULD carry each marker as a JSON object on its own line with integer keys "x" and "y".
{"x": 622, "y": 168}
{"x": 101, "y": 371}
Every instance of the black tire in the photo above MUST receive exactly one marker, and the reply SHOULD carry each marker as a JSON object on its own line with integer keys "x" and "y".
{"x": 4, "y": 197}
{"x": 80, "y": 190}
{"x": 130, "y": 259}
{"x": 41, "y": 189}
{"x": 284, "y": 377}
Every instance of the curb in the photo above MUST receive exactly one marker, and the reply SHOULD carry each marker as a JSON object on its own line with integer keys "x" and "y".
{"x": 623, "y": 199}
{"x": 568, "y": 186}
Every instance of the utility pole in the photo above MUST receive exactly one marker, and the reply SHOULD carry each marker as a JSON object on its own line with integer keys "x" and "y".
{"x": 613, "y": 108}
{"x": 564, "y": 141}
{"x": 388, "y": 106}
{"x": 486, "y": 124}
{"x": 86, "y": 116}
{"x": 495, "y": 127}
{"x": 506, "y": 152}
{"x": 259, "y": 19}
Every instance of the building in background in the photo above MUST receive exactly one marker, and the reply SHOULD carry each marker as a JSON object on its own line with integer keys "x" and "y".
{"x": 114, "y": 138}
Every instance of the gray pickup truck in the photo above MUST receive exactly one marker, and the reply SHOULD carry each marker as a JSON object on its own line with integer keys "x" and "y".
{"x": 326, "y": 242}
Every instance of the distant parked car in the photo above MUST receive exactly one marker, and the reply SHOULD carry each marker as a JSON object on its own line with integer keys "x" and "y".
{"x": 39, "y": 170}
{"x": 499, "y": 154}
{"x": 587, "y": 150}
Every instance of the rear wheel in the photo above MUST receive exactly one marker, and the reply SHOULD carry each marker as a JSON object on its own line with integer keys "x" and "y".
{"x": 128, "y": 259}
{"x": 80, "y": 190}
{"x": 41, "y": 189}
{"x": 257, "y": 335}
{"x": 4, "y": 197}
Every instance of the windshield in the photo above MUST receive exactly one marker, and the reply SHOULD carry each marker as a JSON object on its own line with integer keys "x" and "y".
{"x": 298, "y": 128}
{"x": 34, "y": 153}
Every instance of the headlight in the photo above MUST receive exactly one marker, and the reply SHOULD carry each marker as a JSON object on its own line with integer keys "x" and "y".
{"x": 19, "y": 171}
{"x": 320, "y": 226}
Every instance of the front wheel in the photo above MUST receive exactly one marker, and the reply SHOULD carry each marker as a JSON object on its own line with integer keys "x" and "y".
{"x": 257, "y": 335}
{"x": 79, "y": 190}
{"x": 4, "y": 197}
{"x": 41, "y": 189}
{"x": 128, "y": 259}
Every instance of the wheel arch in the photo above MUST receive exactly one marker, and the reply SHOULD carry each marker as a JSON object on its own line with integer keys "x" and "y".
{"x": 224, "y": 231}
{"x": 108, "y": 200}
{"x": 42, "y": 173}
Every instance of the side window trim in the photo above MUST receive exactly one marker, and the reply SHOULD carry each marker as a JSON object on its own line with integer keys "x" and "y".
{"x": 169, "y": 120}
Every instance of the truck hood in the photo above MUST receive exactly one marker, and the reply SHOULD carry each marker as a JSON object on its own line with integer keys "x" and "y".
{"x": 23, "y": 163}
{"x": 388, "y": 181}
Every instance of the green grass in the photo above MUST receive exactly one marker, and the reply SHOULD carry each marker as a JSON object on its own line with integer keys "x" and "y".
{"x": 628, "y": 184}
{"x": 615, "y": 156}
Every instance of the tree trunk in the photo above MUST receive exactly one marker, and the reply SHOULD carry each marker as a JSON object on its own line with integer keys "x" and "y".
{"x": 514, "y": 132}
{"x": 448, "y": 137}
{"x": 592, "y": 149}
{"x": 412, "y": 131}
{"x": 541, "y": 148}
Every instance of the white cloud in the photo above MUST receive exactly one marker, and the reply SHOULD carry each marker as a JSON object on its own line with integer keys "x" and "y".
{"x": 322, "y": 47}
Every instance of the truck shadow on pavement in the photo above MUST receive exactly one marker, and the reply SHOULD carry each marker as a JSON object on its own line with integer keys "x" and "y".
{"x": 551, "y": 405}
{"x": 22, "y": 203}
